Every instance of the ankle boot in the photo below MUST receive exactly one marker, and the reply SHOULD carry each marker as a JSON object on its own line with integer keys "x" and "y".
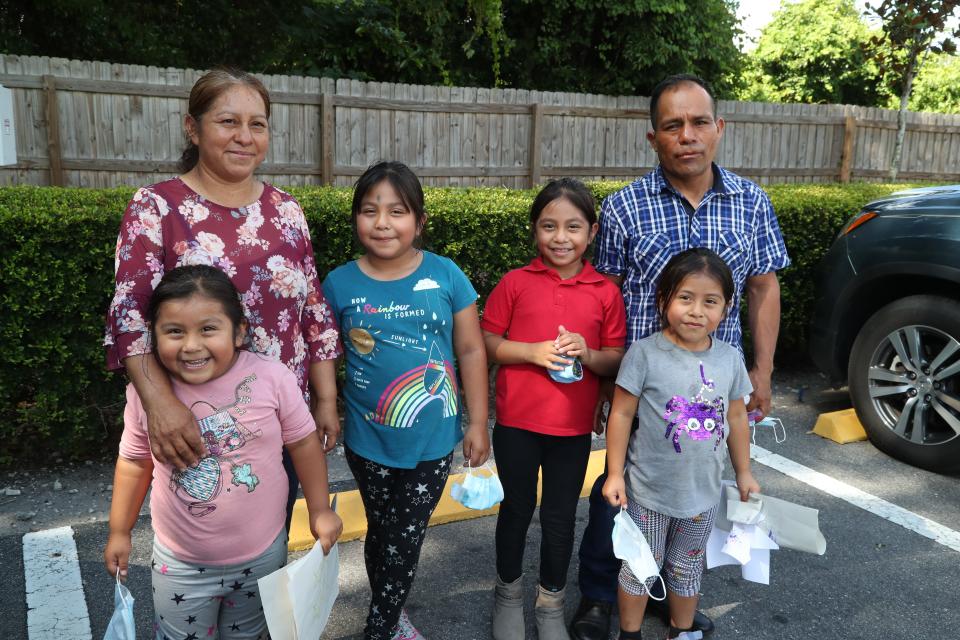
{"x": 549, "y": 612}
{"x": 508, "y": 610}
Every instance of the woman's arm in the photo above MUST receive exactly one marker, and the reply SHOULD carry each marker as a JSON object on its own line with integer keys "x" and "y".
{"x": 472, "y": 359}
{"x": 738, "y": 444}
{"x": 618, "y": 438}
{"x": 131, "y": 479}
{"x": 174, "y": 436}
{"x": 311, "y": 464}
{"x": 323, "y": 379}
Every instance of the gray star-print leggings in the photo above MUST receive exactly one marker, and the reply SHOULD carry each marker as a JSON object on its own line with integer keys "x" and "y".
{"x": 203, "y": 601}
{"x": 398, "y": 504}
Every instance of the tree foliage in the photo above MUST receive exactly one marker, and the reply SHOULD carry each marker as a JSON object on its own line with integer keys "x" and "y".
{"x": 813, "y": 52}
{"x": 937, "y": 87}
{"x": 609, "y": 46}
{"x": 911, "y": 30}
{"x": 617, "y": 46}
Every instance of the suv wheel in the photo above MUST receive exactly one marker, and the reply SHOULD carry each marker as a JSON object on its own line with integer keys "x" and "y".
{"x": 904, "y": 378}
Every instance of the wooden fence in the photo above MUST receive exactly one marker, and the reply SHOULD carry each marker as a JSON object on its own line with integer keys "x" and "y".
{"x": 95, "y": 124}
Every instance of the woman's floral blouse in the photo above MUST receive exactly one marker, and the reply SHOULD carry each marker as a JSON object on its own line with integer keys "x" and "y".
{"x": 264, "y": 248}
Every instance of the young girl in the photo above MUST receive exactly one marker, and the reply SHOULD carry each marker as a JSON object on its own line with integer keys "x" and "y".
{"x": 536, "y": 321}
{"x": 406, "y": 316}
{"x": 683, "y": 391}
{"x": 208, "y": 552}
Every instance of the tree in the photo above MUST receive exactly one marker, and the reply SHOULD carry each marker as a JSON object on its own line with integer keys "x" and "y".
{"x": 813, "y": 52}
{"x": 618, "y": 47}
{"x": 937, "y": 87}
{"x": 911, "y": 31}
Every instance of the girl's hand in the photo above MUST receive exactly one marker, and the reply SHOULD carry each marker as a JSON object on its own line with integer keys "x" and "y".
{"x": 328, "y": 424}
{"x": 572, "y": 344}
{"x": 326, "y": 526}
{"x": 116, "y": 555}
{"x": 615, "y": 491}
{"x": 747, "y": 485}
{"x": 545, "y": 354}
{"x": 476, "y": 445}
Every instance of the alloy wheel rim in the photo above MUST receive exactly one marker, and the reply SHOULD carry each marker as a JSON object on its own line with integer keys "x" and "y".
{"x": 913, "y": 381}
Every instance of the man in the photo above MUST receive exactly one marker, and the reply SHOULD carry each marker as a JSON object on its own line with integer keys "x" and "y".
{"x": 687, "y": 201}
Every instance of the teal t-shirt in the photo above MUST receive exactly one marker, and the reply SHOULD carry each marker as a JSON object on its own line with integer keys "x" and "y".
{"x": 401, "y": 393}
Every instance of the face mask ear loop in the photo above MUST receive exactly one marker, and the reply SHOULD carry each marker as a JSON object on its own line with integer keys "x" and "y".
{"x": 119, "y": 584}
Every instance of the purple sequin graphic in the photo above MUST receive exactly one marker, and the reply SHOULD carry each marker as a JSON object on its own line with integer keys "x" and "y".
{"x": 697, "y": 418}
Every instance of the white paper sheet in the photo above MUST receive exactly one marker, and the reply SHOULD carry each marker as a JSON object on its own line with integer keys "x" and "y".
{"x": 297, "y": 599}
{"x": 751, "y": 547}
{"x": 313, "y": 589}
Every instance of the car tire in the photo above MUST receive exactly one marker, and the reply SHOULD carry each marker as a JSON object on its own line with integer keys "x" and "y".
{"x": 904, "y": 379}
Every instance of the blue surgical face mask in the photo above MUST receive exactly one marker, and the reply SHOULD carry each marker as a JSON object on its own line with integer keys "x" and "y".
{"x": 630, "y": 546}
{"x": 478, "y": 491}
{"x": 572, "y": 372}
{"x": 121, "y": 626}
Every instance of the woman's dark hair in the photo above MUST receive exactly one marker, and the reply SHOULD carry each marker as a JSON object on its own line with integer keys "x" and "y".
{"x": 571, "y": 189}
{"x": 403, "y": 181}
{"x": 686, "y": 263}
{"x": 205, "y": 92}
{"x": 197, "y": 279}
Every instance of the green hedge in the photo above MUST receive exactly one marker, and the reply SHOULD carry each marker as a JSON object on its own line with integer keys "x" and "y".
{"x": 56, "y": 280}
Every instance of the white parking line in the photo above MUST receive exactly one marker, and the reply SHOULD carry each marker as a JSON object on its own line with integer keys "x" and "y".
{"x": 877, "y": 506}
{"x": 56, "y": 608}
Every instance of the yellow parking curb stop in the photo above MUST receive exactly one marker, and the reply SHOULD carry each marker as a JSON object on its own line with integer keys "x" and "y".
{"x": 350, "y": 508}
{"x": 840, "y": 426}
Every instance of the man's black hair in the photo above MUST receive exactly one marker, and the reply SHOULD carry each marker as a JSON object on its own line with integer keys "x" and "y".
{"x": 671, "y": 82}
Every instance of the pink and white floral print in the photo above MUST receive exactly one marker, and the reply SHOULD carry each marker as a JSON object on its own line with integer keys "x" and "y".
{"x": 265, "y": 249}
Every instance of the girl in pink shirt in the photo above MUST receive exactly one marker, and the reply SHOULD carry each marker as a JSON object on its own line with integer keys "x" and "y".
{"x": 219, "y": 526}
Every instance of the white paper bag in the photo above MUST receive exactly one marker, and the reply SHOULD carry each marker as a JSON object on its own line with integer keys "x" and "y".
{"x": 792, "y": 526}
{"x": 298, "y": 598}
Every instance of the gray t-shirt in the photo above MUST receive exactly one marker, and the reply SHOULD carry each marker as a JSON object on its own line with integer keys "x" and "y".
{"x": 676, "y": 456}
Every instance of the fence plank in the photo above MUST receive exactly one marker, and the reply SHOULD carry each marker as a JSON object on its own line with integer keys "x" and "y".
{"x": 53, "y": 131}
{"x": 122, "y": 124}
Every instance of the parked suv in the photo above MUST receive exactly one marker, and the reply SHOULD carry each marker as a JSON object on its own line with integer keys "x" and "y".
{"x": 887, "y": 320}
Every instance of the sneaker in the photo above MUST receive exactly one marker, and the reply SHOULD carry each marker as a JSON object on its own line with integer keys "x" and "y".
{"x": 405, "y": 629}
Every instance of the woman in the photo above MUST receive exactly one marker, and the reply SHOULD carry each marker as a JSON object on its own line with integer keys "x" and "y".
{"x": 217, "y": 213}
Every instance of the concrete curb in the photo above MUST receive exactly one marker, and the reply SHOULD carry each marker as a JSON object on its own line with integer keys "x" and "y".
{"x": 350, "y": 508}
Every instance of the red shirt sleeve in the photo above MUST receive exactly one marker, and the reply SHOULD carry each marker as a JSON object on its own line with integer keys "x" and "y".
{"x": 498, "y": 310}
{"x": 139, "y": 267}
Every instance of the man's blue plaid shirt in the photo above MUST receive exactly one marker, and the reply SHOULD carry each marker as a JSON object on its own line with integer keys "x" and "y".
{"x": 645, "y": 224}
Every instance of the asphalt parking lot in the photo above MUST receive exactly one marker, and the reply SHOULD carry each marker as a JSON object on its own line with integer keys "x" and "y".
{"x": 878, "y": 578}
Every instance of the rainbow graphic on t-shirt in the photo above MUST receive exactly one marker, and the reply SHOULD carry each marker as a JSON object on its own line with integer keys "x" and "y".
{"x": 405, "y": 397}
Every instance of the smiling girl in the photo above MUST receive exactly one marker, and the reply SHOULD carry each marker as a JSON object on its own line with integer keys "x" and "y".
{"x": 554, "y": 313}
{"x": 208, "y": 552}
{"x": 679, "y": 395}
{"x": 408, "y": 317}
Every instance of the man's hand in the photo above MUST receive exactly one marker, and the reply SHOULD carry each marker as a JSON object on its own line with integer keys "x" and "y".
{"x": 762, "y": 394}
{"x": 604, "y": 401}
{"x": 174, "y": 436}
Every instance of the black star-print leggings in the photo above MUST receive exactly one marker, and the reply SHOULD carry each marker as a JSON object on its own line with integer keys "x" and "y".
{"x": 398, "y": 504}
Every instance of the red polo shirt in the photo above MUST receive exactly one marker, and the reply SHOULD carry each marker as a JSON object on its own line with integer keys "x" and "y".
{"x": 528, "y": 305}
